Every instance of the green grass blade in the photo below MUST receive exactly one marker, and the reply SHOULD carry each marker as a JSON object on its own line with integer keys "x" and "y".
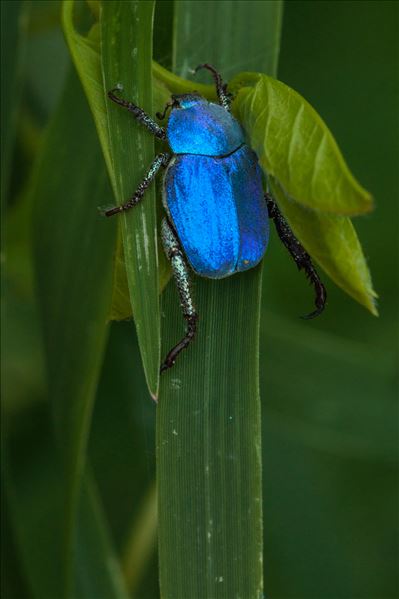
{"x": 73, "y": 252}
{"x": 208, "y": 420}
{"x": 125, "y": 57}
{"x": 126, "y": 34}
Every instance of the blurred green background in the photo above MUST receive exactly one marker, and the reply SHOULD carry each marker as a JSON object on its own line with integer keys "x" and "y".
{"x": 329, "y": 387}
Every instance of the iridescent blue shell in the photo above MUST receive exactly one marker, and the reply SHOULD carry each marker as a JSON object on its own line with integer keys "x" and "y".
{"x": 200, "y": 127}
{"x": 218, "y": 210}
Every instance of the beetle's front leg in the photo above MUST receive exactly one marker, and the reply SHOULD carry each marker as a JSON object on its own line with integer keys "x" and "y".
{"x": 140, "y": 115}
{"x": 299, "y": 254}
{"x": 160, "y": 160}
{"x": 180, "y": 271}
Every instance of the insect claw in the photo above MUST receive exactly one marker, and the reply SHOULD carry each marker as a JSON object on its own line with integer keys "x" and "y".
{"x": 104, "y": 209}
{"x": 319, "y": 309}
{"x": 166, "y": 365}
{"x": 312, "y": 314}
{"x": 109, "y": 210}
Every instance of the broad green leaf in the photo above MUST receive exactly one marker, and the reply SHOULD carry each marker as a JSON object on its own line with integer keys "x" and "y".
{"x": 332, "y": 241}
{"x": 126, "y": 33}
{"x": 208, "y": 416}
{"x": 73, "y": 249}
{"x": 295, "y": 146}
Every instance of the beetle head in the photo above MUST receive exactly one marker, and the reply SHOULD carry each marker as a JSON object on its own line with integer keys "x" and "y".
{"x": 181, "y": 101}
{"x": 186, "y": 100}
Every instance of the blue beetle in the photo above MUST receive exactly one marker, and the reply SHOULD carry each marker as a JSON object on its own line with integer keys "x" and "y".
{"x": 217, "y": 214}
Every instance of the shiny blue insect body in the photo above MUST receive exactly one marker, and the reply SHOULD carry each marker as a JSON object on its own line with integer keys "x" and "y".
{"x": 217, "y": 214}
{"x": 213, "y": 190}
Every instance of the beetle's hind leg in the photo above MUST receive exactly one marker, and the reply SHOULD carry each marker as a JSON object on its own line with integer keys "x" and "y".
{"x": 158, "y": 162}
{"x": 180, "y": 271}
{"x": 225, "y": 98}
{"x": 299, "y": 254}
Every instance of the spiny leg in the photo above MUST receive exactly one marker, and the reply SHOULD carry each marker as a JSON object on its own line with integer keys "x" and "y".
{"x": 160, "y": 160}
{"x": 299, "y": 254}
{"x": 139, "y": 114}
{"x": 221, "y": 88}
{"x": 182, "y": 278}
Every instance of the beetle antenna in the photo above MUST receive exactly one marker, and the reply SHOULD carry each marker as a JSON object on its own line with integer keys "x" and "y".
{"x": 162, "y": 115}
{"x": 221, "y": 88}
{"x": 216, "y": 75}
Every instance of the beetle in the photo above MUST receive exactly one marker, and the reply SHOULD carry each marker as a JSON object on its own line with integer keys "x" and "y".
{"x": 217, "y": 214}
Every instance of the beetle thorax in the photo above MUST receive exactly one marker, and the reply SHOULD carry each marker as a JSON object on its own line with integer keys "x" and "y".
{"x": 197, "y": 126}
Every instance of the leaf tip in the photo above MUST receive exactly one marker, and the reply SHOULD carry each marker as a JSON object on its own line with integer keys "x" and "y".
{"x": 372, "y": 303}
{"x": 369, "y": 204}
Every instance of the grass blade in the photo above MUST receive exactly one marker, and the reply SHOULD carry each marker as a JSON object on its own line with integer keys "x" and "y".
{"x": 125, "y": 57}
{"x": 208, "y": 421}
{"x": 126, "y": 34}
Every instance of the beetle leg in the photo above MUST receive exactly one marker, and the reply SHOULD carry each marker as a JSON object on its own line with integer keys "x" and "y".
{"x": 139, "y": 114}
{"x": 180, "y": 271}
{"x": 221, "y": 88}
{"x": 299, "y": 254}
{"x": 160, "y": 160}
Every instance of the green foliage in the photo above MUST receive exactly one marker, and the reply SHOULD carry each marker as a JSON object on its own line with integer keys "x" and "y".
{"x": 295, "y": 146}
{"x": 77, "y": 474}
